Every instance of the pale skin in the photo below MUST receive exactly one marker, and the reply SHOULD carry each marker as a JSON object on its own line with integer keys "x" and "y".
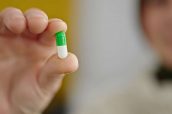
{"x": 156, "y": 18}
{"x": 31, "y": 72}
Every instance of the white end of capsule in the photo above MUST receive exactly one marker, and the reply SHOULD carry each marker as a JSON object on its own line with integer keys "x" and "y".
{"x": 62, "y": 51}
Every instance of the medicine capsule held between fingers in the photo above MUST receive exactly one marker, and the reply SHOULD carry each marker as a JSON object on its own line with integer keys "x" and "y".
{"x": 61, "y": 45}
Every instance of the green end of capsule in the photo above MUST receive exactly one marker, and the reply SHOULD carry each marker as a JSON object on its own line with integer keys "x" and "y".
{"x": 60, "y": 38}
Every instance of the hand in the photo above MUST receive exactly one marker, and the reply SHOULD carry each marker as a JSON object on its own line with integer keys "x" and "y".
{"x": 30, "y": 70}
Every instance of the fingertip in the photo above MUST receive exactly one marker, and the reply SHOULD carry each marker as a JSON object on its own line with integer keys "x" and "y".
{"x": 37, "y": 20}
{"x": 14, "y": 20}
{"x": 56, "y": 65}
{"x": 18, "y": 26}
{"x": 54, "y": 70}
{"x": 54, "y": 26}
{"x": 71, "y": 63}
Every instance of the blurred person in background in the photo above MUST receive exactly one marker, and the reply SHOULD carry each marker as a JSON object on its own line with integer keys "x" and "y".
{"x": 151, "y": 91}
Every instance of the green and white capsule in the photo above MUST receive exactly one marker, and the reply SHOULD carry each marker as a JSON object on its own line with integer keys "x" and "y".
{"x": 61, "y": 45}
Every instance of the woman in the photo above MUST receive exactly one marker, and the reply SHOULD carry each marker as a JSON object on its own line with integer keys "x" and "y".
{"x": 150, "y": 92}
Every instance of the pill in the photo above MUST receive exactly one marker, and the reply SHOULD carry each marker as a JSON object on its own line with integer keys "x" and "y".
{"x": 61, "y": 44}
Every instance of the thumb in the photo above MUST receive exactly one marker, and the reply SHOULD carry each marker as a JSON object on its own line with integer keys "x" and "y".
{"x": 52, "y": 73}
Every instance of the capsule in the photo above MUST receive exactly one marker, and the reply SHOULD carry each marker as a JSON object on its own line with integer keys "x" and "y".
{"x": 61, "y": 45}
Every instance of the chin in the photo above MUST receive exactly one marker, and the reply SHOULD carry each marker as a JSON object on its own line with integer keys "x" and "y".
{"x": 167, "y": 60}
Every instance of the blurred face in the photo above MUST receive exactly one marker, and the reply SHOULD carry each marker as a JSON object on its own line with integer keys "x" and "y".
{"x": 157, "y": 22}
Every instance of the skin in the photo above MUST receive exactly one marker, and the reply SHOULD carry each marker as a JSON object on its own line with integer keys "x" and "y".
{"x": 156, "y": 18}
{"x": 30, "y": 69}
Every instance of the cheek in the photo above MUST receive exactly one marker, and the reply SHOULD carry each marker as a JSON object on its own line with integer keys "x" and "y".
{"x": 151, "y": 26}
{"x": 156, "y": 27}
{"x": 152, "y": 23}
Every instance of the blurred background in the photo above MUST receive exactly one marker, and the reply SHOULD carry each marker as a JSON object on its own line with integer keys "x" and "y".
{"x": 106, "y": 37}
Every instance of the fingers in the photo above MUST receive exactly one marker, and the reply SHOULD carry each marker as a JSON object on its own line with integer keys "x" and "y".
{"x": 53, "y": 71}
{"x": 54, "y": 25}
{"x": 33, "y": 22}
{"x": 37, "y": 20}
{"x": 12, "y": 19}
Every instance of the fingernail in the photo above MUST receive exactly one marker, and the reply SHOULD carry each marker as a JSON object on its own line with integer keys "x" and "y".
{"x": 37, "y": 15}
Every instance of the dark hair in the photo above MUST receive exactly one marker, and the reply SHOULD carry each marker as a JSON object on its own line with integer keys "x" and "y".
{"x": 142, "y": 2}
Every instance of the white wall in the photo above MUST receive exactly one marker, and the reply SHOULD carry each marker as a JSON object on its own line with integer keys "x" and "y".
{"x": 110, "y": 48}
